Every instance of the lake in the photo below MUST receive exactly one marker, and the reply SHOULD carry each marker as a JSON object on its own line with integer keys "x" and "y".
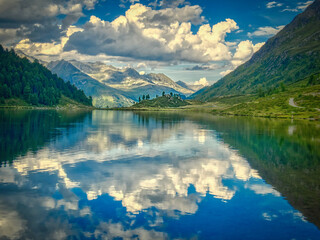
{"x": 127, "y": 175}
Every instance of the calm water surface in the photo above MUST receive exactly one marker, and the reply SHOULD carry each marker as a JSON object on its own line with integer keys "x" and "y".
{"x": 124, "y": 175}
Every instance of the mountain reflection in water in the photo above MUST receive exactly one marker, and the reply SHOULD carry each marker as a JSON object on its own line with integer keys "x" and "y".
{"x": 108, "y": 174}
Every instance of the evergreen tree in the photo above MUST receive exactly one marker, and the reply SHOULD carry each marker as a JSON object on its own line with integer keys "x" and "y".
{"x": 26, "y": 93}
{"x": 5, "y": 91}
{"x": 34, "y": 100}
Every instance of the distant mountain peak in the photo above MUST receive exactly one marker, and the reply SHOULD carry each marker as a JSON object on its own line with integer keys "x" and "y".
{"x": 111, "y": 86}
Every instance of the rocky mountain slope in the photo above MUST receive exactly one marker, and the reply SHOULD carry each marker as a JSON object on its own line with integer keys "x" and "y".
{"x": 102, "y": 95}
{"x": 127, "y": 78}
{"x": 114, "y": 87}
{"x": 291, "y": 55}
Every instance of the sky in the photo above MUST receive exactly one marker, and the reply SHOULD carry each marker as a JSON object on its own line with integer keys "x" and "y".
{"x": 188, "y": 40}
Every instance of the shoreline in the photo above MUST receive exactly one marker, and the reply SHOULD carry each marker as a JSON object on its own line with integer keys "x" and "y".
{"x": 47, "y": 108}
{"x": 209, "y": 111}
{"x": 192, "y": 110}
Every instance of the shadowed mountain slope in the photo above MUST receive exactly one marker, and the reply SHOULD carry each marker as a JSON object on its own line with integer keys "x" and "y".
{"x": 292, "y": 54}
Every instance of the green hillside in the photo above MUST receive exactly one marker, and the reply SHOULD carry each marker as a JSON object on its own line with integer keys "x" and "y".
{"x": 297, "y": 100}
{"x": 167, "y": 101}
{"x": 291, "y": 55}
{"x": 26, "y": 83}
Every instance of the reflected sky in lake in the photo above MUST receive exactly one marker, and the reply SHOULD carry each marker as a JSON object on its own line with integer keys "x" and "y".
{"x": 109, "y": 174}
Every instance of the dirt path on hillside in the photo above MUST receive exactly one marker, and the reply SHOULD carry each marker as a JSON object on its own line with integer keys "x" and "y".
{"x": 293, "y": 104}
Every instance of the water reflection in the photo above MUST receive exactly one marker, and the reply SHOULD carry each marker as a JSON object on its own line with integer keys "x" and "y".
{"x": 286, "y": 154}
{"x": 23, "y": 131}
{"x": 111, "y": 174}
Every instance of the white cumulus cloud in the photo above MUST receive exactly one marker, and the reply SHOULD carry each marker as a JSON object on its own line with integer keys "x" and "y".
{"x": 244, "y": 52}
{"x": 202, "y": 81}
{"x": 53, "y": 48}
{"x": 161, "y": 35}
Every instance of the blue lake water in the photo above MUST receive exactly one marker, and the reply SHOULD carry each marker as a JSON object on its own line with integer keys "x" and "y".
{"x": 125, "y": 175}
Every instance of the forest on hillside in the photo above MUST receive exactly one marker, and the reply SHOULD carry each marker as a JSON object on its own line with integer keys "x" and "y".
{"x": 34, "y": 83}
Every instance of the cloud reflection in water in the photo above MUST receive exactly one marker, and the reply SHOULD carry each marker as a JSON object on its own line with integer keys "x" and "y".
{"x": 121, "y": 168}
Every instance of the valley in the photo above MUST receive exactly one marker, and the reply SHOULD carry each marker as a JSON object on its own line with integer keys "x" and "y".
{"x": 114, "y": 87}
{"x": 162, "y": 119}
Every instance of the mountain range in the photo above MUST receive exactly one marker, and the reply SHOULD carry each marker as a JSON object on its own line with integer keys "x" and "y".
{"x": 115, "y": 87}
{"x": 291, "y": 55}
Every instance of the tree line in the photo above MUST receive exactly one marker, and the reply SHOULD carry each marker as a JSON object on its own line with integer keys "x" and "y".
{"x": 147, "y": 96}
{"x": 34, "y": 83}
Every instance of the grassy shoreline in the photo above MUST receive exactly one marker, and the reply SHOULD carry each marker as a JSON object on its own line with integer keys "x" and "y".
{"x": 64, "y": 104}
{"x": 277, "y": 105}
{"x": 194, "y": 109}
{"x": 47, "y": 108}
{"x": 215, "y": 112}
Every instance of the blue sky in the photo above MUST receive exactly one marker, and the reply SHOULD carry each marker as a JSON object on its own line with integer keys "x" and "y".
{"x": 186, "y": 39}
